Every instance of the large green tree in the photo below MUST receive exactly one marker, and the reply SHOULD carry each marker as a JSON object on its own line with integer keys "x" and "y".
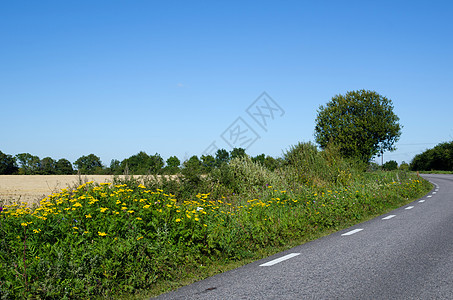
{"x": 361, "y": 123}
{"x": 137, "y": 163}
{"x": 64, "y": 167}
{"x": 173, "y": 165}
{"x": 115, "y": 167}
{"x": 156, "y": 163}
{"x": 221, "y": 156}
{"x": 89, "y": 164}
{"x": 142, "y": 163}
{"x": 28, "y": 164}
{"x": 259, "y": 159}
{"x": 237, "y": 152}
{"x": 7, "y": 164}
{"x": 390, "y": 165}
{"x": 192, "y": 165}
{"x": 192, "y": 169}
{"x": 437, "y": 158}
{"x": 208, "y": 162}
{"x": 48, "y": 166}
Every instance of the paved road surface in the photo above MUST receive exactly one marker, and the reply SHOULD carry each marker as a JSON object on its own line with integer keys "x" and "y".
{"x": 405, "y": 254}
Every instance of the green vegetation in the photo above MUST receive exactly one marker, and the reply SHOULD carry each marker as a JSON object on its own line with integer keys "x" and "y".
{"x": 147, "y": 235}
{"x": 89, "y": 164}
{"x": 142, "y": 236}
{"x": 7, "y": 164}
{"x": 137, "y": 164}
{"x": 436, "y": 172}
{"x": 439, "y": 158}
{"x": 390, "y": 165}
{"x": 361, "y": 123}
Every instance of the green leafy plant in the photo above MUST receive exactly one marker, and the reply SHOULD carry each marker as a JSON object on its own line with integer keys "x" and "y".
{"x": 362, "y": 123}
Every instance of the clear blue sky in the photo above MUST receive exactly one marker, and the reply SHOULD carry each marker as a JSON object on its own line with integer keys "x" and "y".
{"x": 117, "y": 77}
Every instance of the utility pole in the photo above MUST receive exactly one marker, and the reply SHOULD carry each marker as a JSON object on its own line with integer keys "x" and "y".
{"x": 382, "y": 157}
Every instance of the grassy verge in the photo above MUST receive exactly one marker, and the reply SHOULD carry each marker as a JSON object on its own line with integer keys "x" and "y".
{"x": 129, "y": 239}
{"x": 435, "y": 172}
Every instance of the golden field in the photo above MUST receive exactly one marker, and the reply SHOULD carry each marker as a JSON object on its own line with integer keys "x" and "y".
{"x": 32, "y": 188}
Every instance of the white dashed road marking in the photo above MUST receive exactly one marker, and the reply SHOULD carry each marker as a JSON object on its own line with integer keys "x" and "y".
{"x": 276, "y": 261}
{"x": 291, "y": 255}
{"x": 352, "y": 231}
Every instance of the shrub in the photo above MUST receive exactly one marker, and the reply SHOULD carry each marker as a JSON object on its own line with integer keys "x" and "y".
{"x": 439, "y": 158}
{"x": 390, "y": 165}
{"x": 321, "y": 168}
{"x": 249, "y": 177}
{"x": 404, "y": 166}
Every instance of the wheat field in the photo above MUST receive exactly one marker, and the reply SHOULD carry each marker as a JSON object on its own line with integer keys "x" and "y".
{"x": 32, "y": 188}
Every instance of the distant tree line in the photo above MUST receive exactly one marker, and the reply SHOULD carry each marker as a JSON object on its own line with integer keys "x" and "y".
{"x": 138, "y": 164}
{"x": 439, "y": 158}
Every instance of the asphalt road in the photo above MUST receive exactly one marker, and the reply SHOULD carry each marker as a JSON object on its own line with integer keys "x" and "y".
{"x": 405, "y": 254}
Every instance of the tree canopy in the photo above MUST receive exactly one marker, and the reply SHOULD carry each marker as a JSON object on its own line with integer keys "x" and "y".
{"x": 137, "y": 164}
{"x": 28, "y": 164}
{"x": 7, "y": 164}
{"x": 439, "y": 158}
{"x": 64, "y": 167}
{"x": 390, "y": 165}
{"x": 173, "y": 165}
{"x": 361, "y": 123}
{"x": 88, "y": 164}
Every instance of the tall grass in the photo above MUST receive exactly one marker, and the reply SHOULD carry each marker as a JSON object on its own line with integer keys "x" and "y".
{"x": 142, "y": 233}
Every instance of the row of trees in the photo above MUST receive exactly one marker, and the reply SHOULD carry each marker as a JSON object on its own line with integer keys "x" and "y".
{"x": 361, "y": 124}
{"x": 27, "y": 164}
{"x": 438, "y": 158}
{"x": 138, "y": 164}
